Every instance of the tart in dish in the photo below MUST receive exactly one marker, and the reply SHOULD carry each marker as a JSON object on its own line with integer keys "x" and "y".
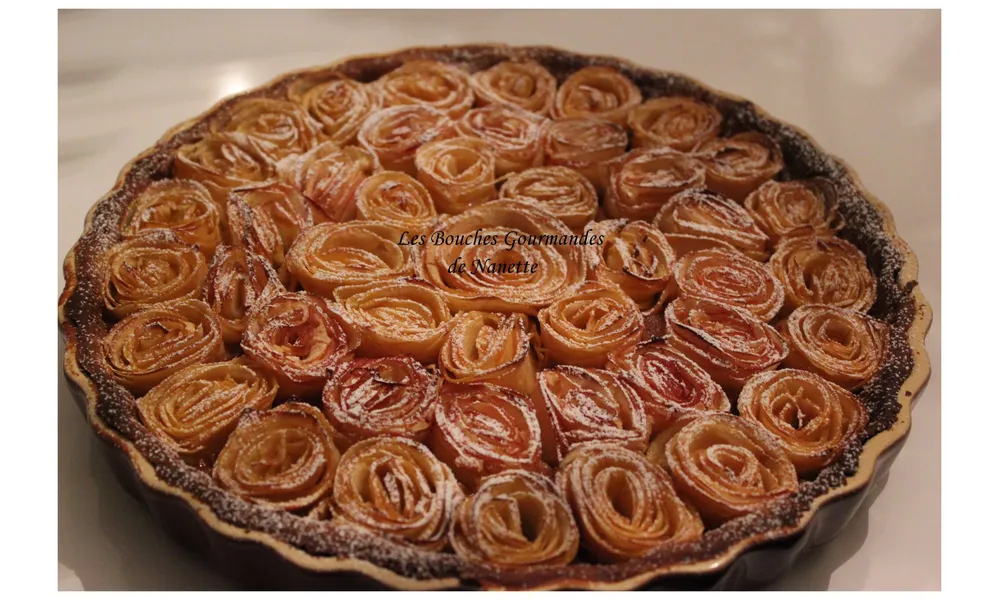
{"x": 488, "y": 316}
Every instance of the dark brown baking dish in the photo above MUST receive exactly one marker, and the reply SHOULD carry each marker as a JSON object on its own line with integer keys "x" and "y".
{"x": 264, "y": 548}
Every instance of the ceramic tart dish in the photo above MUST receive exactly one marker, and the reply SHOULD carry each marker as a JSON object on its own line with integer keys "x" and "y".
{"x": 685, "y": 348}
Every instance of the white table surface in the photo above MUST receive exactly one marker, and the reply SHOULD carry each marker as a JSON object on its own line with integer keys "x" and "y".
{"x": 865, "y": 84}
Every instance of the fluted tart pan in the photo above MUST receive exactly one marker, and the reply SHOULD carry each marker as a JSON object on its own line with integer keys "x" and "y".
{"x": 266, "y": 548}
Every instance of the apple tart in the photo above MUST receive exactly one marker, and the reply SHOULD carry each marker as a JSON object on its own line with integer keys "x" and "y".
{"x": 492, "y": 317}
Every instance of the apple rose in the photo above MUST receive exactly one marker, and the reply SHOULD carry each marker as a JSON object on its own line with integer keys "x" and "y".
{"x": 738, "y": 165}
{"x": 284, "y": 457}
{"x": 684, "y": 244}
{"x": 676, "y": 122}
{"x": 583, "y": 326}
{"x": 516, "y": 256}
{"x": 368, "y": 397}
{"x": 338, "y": 104}
{"x": 515, "y": 519}
{"x": 626, "y": 507}
{"x": 399, "y": 316}
{"x": 586, "y": 145}
{"x": 787, "y": 208}
{"x": 237, "y": 282}
{"x": 731, "y": 278}
{"x": 844, "y": 346}
{"x": 394, "y": 134}
{"x": 728, "y": 342}
{"x": 634, "y": 256}
{"x": 296, "y": 338}
{"x": 481, "y": 429}
{"x": 458, "y": 172}
{"x": 514, "y": 134}
{"x": 813, "y": 419}
{"x": 397, "y": 200}
{"x": 821, "y": 270}
{"x": 670, "y": 384}
{"x": 152, "y": 344}
{"x": 523, "y": 83}
{"x": 728, "y": 466}
{"x": 183, "y": 207}
{"x": 559, "y": 190}
{"x": 597, "y": 92}
{"x": 493, "y": 348}
{"x": 194, "y": 410}
{"x": 330, "y": 255}
{"x": 275, "y": 128}
{"x": 266, "y": 218}
{"x": 427, "y": 83}
{"x": 329, "y": 176}
{"x": 396, "y": 488}
{"x": 644, "y": 180}
{"x": 707, "y": 214}
{"x": 592, "y": 405}
{"x": 152, "y": 268}
{"x": 221, "y": 163}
